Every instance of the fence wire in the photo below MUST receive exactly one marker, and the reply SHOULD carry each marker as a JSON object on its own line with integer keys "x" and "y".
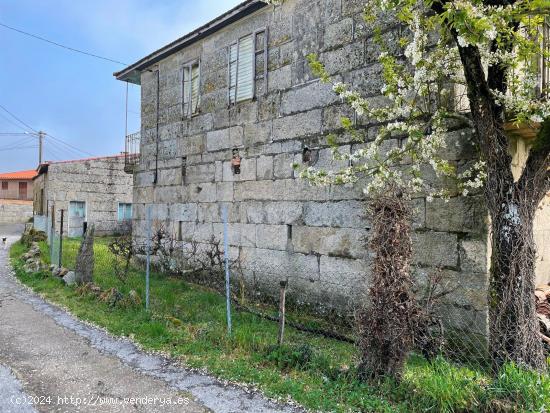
{"x": 457, "y": 330}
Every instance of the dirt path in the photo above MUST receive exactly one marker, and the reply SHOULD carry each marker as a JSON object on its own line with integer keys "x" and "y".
{"x": 68, "y": 366}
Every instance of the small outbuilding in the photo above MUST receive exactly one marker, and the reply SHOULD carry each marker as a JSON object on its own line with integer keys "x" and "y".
{"x": 86, "y": 191}
{"x": 17, "y": 185}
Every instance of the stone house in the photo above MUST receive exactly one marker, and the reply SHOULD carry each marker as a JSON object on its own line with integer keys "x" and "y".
{"x": 226, "y": 110}
{"x": 93, "y": 191}
{"x": 17, "y": 185}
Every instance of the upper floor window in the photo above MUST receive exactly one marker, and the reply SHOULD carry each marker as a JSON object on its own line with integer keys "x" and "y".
{"x": 247, "y": 65}
{"x": 4, "y": 186}
{"x": 191, "y": 84}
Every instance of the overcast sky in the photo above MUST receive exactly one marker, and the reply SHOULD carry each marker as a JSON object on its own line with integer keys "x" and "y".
{"x": 71, "y": 96}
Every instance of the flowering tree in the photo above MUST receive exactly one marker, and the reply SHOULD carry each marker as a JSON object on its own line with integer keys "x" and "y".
{"x": 493, "y": 50}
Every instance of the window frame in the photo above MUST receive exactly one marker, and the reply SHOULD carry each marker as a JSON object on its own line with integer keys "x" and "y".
{"x": 255, "y": 75}
{"x": 83, "y": 209}
{"x": 125, "y": 206}
{"x": 5, "y": 186}
{"x": 189, "y": 66}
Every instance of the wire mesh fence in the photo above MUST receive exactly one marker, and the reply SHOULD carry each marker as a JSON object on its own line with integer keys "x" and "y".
{"x": 300, "y": 309}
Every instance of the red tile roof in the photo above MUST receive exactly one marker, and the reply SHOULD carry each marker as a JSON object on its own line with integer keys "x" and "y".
{"x": 18, "y": 176}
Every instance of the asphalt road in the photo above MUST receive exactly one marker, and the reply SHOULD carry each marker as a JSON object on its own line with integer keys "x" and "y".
{"x": 52, "y": 362}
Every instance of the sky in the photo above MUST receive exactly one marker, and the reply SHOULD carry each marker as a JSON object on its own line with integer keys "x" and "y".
{"x": 73, "y": 97}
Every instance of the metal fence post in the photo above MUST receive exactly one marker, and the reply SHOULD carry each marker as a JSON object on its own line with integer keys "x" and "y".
{"x": 148, "y": 264}
{"x": 61, "y": 239}
{"x": 282, "y": 311}
{"x": 226, "y": 257}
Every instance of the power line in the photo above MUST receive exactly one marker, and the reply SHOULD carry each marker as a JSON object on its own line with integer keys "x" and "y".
{"x": 17, "y": 144}
{"x": 11, "y": 121}
{"x": 16, "y": 118}
{"x": 18, "y": 148}
{"x": 74, "y": 148}
{"x": 69, "y": 145}
{"x": 63, "y": 46}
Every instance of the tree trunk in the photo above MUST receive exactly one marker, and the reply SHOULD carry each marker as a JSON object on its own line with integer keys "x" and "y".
{"x": 513, "y": 324}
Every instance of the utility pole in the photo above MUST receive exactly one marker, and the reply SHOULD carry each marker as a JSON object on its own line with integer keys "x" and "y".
{"x": 40, "y": 146}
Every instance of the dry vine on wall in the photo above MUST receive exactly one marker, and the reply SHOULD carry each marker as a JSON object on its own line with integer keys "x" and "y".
{"x": 385, "y": 328}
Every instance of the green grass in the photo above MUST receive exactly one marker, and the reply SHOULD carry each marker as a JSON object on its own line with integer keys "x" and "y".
{"x": 188, "y": 322}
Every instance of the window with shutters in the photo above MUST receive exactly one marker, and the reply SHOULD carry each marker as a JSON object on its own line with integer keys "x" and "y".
{"x": 190, "y": 91}
{"x": 124, "y": 211}
{"x": 247, "y": 67}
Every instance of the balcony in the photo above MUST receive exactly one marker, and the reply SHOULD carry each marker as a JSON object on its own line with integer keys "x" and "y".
{"x": 131, "y": 152}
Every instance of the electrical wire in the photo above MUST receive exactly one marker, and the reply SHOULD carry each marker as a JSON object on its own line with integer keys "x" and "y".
{"x": 16, "y": 149}
{"x": 16, "y": 118}
{"x": 70, "y": 146}
{"x": 18, "y": 144}
{"x": 11, "y": 121}
{"x": 61, "y": 141}
{"x": 62, "y": 46}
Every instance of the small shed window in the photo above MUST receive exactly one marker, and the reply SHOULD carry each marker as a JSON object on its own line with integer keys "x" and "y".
{"x": 247, "y": 65}
{"x": 124, "y": 211}
{"x": 77, "y": 209}
{"x": 190, "y": 93}
{"x": 4, "y": 186}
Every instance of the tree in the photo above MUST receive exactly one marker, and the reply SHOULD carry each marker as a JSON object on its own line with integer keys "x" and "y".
{"x": 493, "y": 48}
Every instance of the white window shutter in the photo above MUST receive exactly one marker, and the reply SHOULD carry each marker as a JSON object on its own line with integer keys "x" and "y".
{"x": 233, "y": 55}
{"x": 186, "y": 96}
{"x": 245, "y": 69}
{"x": 195, "y": 88}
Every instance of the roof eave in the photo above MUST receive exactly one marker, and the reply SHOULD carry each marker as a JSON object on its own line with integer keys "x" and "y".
{"x": 132, "y": 73}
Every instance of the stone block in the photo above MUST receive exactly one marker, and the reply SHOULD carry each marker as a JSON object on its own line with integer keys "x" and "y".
{"x": 435, "y": 249}
{"x": 280, "y": 79}
{"x": 224, "y": 138}
{"x": 183, "y": 212}
{"x": 189, "y": 145}
{"x": 313, "y": 95}
{"x": 344, "y": 277}
{"x": 459, "y": 214}
{"x": 274, "y": 237}
{"x": 257, "y": 133}
{"x": 199, "y": 124}
{"x": 273, "y": 213}
{"x": 283, "y": 264}
{"x": 474, "y": 256}
{"x": 349, "y": 57}
{"x": 332, "y": 117}
{"x": 224, "y": 191}
{"x": 339, "y": 33}
{"x": 282, "y": 165}
{"x": 302, "y": 124}
{"x": 348, "y": 242}
{"x": 200, "y": 173}
{"x": 459, "y": 145}
{"x": 204, "y": 192}
{"x": 264, "y": 167}
{"x": 343, "y": 214}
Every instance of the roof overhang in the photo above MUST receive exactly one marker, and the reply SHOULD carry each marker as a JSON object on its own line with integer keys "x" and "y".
{"x": 132, "y": 73}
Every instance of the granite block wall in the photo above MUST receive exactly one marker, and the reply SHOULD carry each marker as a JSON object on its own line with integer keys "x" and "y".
{"x": 279, "y": 225}
{"x": 101, "y": 183}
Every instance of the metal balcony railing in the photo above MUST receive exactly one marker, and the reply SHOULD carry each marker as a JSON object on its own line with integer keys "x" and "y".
{"x": 131, "y": 152}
